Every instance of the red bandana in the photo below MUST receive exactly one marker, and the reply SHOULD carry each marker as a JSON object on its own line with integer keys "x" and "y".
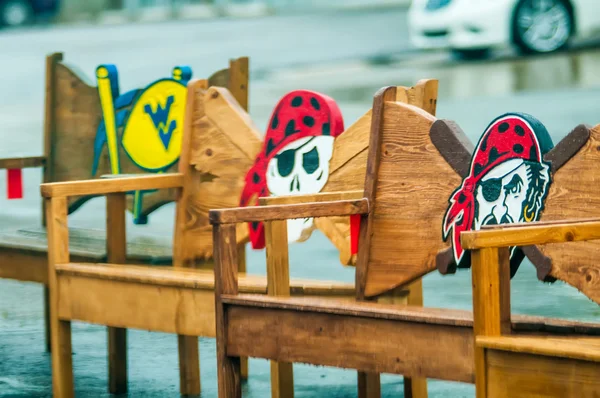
{"x": 298, "y": 114}
{"x": 509, "y": 137}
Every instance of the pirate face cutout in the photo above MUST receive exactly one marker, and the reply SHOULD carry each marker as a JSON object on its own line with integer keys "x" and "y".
{"x": 507, "y": 182}
{"x": 301, "y": 167}
{"x": 295, "y": 156}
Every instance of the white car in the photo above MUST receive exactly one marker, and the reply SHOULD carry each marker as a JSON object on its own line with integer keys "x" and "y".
{"x": 471, "y": 27}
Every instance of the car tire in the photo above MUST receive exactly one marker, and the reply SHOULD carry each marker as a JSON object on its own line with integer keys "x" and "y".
{"x": 552, "y": 26}
{"x": 470, "y": 54}
{"x": 15, "y": 13}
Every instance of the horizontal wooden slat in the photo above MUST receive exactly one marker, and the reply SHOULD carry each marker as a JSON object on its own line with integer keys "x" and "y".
{"x": 24, "y": 266}
{"x": 519, "y": 375}
{"x": 195, "y": 279}
{"x": 283, "y": 212}
{"x": 584, "y": 348}
{"x": 116, "y": 185}
{"x": 22, "y": 163}
{"x": 525, "y": 324}
{"x": 352, "y": 342}
{"x": 156, "y": 298}
{"x": 318, "y": 197}
{"x": 363, "y": 309}
{"x": 136, "y": 305}
{"x": 531, "y": 234}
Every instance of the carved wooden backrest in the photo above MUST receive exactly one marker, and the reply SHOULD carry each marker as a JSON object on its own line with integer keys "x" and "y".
{"x": 573, "y": 195}
{"x": 407, "y": 183}
{"x": 347, "y": 167}
{"x": 219, "y": 146}
{"x": 146, "y": 130}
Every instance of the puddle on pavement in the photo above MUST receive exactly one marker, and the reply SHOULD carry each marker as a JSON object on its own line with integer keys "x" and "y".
{"x": 494, "y": 78}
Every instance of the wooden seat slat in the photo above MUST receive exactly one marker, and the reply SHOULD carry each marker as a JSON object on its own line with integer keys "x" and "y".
{"x": 194, "y": 278}
{"x": 88, "y": 243}
{"x": 583, "y": 348}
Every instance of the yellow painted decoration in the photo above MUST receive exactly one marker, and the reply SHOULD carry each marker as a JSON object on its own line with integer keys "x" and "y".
{"x": 153, "y": 132}
{"x": 108, "y": 113}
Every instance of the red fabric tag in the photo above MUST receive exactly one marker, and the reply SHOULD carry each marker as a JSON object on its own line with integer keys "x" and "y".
{"x": 354, "y": 232}
{"x": 15, "y": 184}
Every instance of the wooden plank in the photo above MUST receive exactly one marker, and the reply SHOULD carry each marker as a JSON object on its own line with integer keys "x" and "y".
{"x": 228, "y": 367}
{"x": 526, "y": 235}
{"x": 512, "y": 375}
{"x": 199, "y": 279}
{"x": 222, "y": 146}
{"x": 278, "y": 284}
{"x": 49, "y": 119}
{"x": 437, "y": 316}
{"x": 26, "y": 267}
{"x": 239, "y": 71}
{"x": 181, "y": 310}
{"x": 351, "y": 341}
{"x": 310, "y": 198}
{"x": 406, "y": 152}
{"x": 582, "y": 348}
{"x": 58, "y": 252}
{"x": 491, "y": 303}
{"x": 116, "y": 185}
{"x": 116, "y": 250}
{"x": 574, "y": 195}
{"x": 371, "y": 179}
{"x": 282, "y": 212}
{"x": 85, "y": 245}
{"x": 22, "y": 163}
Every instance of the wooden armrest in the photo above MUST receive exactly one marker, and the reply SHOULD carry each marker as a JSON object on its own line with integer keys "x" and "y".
{"x": 22, "y": 162}
{"x": 113, "y": 185}
{"x": 311, "y": 198}
{"x": 290, "y": 211}
{"x": 539, "y": 233}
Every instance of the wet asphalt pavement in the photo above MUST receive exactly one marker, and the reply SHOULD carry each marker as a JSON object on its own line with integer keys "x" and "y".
{"x": 331, "y": 55}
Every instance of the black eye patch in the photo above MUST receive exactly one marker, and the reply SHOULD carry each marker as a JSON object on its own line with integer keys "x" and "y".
{"x": 491, "y": 189}
{"x": 285, "y": 162}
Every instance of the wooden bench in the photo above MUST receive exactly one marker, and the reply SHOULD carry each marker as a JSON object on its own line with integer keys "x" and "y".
{"x": 75, "y": 132}
{"x": 415, "y": 164}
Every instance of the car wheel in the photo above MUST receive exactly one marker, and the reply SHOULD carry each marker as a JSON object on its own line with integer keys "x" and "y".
{"x": 470, "y": 54}
{"x": 542, "y": 26}
{"x": 15, "y": 13}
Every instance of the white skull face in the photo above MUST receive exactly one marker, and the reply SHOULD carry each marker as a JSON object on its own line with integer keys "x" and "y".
{"x": 301, "y": 167}
{"x": 502, "y": 193}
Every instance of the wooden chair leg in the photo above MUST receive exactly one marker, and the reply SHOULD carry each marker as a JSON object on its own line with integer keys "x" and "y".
{"x": 415, "y": 387}
{"x": 369, "y": 385}
{"x": 117, "y": 360}
{"x": 47, "y": 318}
{"x": 244, "y": 368}
{"x": 62, "y": 364}
{"x": 189, "y": 365}
{"x": 282, "y": 380}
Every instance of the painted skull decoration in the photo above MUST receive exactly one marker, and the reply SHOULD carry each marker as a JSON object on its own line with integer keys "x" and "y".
{"x": 295, "y": 155}
{"x": 508, "y": 182}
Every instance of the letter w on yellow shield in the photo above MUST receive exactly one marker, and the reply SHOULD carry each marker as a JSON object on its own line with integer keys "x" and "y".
{"x": 160, "y": 118}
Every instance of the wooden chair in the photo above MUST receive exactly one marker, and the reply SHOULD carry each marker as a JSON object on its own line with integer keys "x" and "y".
{"x": 414, "y": 165}
{"x": 75, "y": 114}
{"x": 219, "y": 147}
{"x": 510, "y": 364}
{"x": 563, "y": 246}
